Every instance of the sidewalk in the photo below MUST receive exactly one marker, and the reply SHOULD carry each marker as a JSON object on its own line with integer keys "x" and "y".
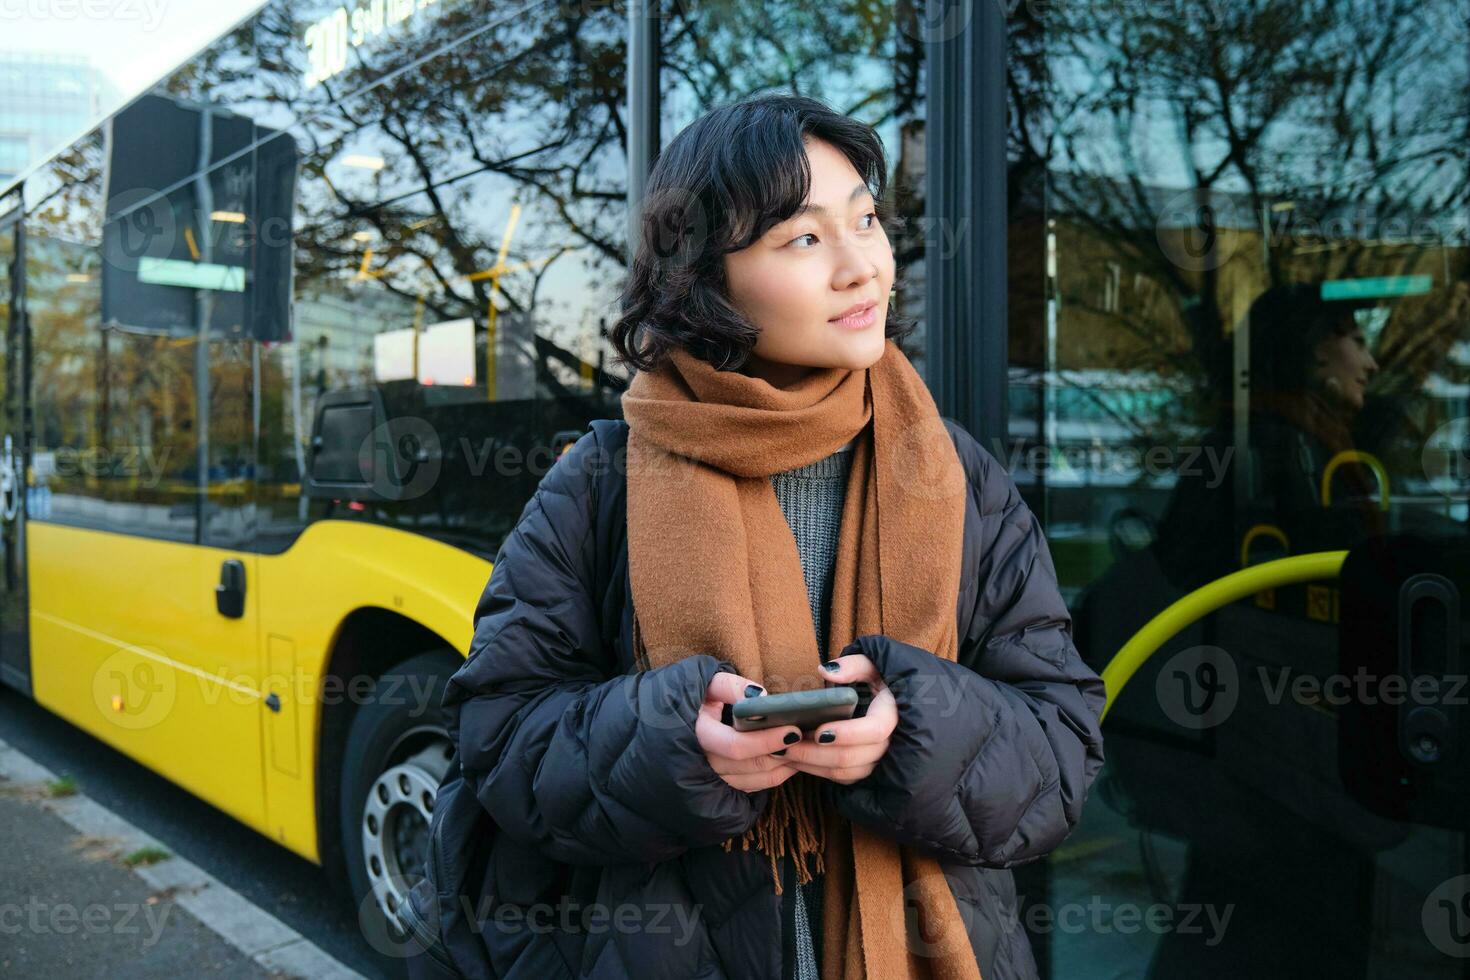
{"x": 70, "y": 906}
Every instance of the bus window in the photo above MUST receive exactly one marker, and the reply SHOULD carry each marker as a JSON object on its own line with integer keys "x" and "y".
{"x": 114, "y": 408}
{"x": 455, "y": 250}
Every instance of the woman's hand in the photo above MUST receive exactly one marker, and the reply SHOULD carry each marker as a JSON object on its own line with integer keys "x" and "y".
{"x": 745, "y": 760}
{"x": 846, "y": 751}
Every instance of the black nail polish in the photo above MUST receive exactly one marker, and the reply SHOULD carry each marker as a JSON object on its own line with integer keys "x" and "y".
{"x": 827, "y": 737}
{"x": 832, "y": 666}
{"x": 753, "y": 690}
{"x": 792, "y": 738}
{"x": 779, "y": 752}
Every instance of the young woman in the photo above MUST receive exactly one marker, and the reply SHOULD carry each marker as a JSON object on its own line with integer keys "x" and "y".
{"x": 783, "y": 508}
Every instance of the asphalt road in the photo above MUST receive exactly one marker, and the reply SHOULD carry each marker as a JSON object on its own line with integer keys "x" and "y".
{"x": 286, "y": 886}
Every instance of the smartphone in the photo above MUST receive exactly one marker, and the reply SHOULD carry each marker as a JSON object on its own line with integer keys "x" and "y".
{"x": 804, "y": 709}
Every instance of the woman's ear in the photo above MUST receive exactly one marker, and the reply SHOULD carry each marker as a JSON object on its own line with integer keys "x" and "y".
{"x": 1319, "y": 378}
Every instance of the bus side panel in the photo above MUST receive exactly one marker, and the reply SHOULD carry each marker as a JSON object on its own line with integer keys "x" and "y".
{"x": 157, "y": 673}
{"x": 305, "y": 595}
{"x": 127, "y": 644}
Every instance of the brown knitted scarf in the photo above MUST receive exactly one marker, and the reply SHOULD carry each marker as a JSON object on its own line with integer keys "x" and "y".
{"x": 714, "y": 569}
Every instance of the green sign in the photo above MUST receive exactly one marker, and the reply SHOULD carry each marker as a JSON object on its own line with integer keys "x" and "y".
{"x": 195, "y": 275}
{"x": 1374, "y": 288}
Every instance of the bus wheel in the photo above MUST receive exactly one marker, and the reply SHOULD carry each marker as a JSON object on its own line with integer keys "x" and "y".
{"x": 397, "y": 752}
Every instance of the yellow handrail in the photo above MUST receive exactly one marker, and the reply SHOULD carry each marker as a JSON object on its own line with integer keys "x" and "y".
{"x": 1259, "y": 530}
{"x": 1206, "y": 599}
{"x": 1355, "y": 456}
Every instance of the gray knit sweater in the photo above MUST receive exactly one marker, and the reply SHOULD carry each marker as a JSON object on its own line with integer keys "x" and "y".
{"x": 811, "y": 498}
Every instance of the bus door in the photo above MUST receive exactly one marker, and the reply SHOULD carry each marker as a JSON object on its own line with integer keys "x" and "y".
{"x": 15, "y": 655}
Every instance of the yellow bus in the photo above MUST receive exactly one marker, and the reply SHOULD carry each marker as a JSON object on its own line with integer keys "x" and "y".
{"x": 290, "y": 338}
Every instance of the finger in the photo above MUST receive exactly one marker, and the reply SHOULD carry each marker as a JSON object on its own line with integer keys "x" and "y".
{"x": 853, "y": 667}
{"x": 875, "y": 726}
{"x": 755, "y": 782}
{"x": 836, "y": 756}
{"x": 717, "y": 738}
{"x": 844, "y": 775}
{"x": 726, "y": 766}
{"x": 728, "y": 688}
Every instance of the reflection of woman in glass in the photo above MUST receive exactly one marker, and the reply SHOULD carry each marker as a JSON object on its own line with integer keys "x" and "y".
{"x": 1272, "y": 835}
{"x": 1309, "y": 371}
{"x": 1310, "y": 368}
{"x": 796, "y": 514}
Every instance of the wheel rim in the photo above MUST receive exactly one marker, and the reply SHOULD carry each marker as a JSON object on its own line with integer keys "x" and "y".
{"x": 396, "y": 816}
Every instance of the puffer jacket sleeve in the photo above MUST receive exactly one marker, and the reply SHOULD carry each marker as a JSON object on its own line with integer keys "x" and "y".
{"x": 589, "y": 765}
{"x": 993, "y": 755}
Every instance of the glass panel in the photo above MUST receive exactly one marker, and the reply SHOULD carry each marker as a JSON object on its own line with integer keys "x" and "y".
{"x": 458, "y": 229}
{"x": 229, "y": 507}
{"x": 114, "y": 411}
{"x": 1239, "y": 332}
{"x": 864, "y": 60}
{"x": 14, "y": 625}
{"x": 63, "y": 299}
{"x": 147, "y": 415}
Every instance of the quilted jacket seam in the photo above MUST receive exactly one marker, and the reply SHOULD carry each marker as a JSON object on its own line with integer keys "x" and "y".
{"x": 1043, "y": 785}
{"x": 956, "y": 799}
{"x": 607, "y": 791}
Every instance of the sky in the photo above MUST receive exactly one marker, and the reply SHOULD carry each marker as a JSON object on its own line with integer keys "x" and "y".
{"x": 133, "y": 42}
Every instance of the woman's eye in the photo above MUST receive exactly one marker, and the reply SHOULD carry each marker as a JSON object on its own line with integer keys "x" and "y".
{"x": 869, "y": 227}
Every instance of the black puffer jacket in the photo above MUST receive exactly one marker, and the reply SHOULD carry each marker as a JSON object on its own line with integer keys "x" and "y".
{"x": 604, "y": 860}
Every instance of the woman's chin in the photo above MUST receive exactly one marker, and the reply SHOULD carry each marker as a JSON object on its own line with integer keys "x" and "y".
{"x": 862, "y": 352}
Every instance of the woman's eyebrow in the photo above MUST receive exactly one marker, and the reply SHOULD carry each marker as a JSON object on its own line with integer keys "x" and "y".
{"x": 857, "y": 192}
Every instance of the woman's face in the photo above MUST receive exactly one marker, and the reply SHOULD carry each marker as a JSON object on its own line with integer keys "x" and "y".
{"x": 1344, "y": 366}
{"x": 796, "y": 280}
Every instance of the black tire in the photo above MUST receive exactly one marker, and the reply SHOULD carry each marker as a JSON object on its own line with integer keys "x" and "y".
{"x": 398, "y": 750}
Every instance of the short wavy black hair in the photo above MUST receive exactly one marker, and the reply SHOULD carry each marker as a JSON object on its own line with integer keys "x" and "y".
{"x": 1287, "y": 322}
{"x": 726, "y": 179}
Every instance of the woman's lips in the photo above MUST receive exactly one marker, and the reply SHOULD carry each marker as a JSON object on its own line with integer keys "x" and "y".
{"x": 857, "y": 321}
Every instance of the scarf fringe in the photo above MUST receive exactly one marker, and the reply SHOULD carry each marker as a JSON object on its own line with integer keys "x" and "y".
{"x": 792, "y": 823}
